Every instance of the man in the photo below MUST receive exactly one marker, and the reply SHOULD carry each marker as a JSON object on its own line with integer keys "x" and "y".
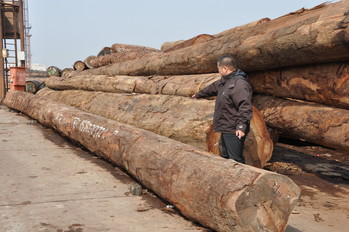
{"x": 233, "y": 109}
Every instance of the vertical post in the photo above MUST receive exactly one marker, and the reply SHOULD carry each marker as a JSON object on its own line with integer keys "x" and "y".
{"x": 15, "y": 23}
{"x": 21, "y": 29}
{"x": 2, "y": 73}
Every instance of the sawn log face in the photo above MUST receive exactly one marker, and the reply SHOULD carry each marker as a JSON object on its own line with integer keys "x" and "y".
{"x": 219, "y": 193}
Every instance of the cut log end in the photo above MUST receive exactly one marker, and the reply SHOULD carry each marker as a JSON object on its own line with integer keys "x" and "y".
{"x": 266, "y": 204}
{"x": 53, "y": 71}
{"x": 88, "y": 61}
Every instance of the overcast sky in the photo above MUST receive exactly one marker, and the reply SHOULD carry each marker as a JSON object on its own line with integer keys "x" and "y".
{"x": 65, "y": 31}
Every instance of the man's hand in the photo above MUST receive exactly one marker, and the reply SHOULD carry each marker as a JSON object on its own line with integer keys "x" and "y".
{"x": 240, "y": 134}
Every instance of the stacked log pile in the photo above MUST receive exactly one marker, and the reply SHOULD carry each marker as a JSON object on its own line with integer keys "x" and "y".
{"x": 300, "y": 58}
{"x": 309, "y": 37}
{"x": 303, "y": 55}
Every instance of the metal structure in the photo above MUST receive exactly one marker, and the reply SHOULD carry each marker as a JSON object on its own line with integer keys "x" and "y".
{"x": 27, "y": 35}
{"x": 14, "y": 26}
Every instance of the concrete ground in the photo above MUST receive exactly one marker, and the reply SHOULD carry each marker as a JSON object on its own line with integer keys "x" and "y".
{"x": 47, "y": 184}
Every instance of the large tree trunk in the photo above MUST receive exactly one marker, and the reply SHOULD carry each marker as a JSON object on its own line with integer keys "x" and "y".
{"x": 114, "y": 58}
{"x": 122, "y": 53}
{"x": 186, "y": 43}
{"x": 323, "y": 83}
{"x": 312, "y": 122}
{"x": 124, "y": 48}
{"x": 175, "y": 45}
{"x": 198, "y": 184}
{"x": 313, "y": 36}
{"x": 183, "y": 119}
{"x": 169, "y": 85}
{"x": 242, "y": 28}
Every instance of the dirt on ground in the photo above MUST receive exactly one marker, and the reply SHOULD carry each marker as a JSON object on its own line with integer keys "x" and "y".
{"x": 323, "y": 176}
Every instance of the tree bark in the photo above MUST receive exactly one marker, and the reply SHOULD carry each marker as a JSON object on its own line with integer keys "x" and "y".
{"x": 183, "y": 119}
{"x": 185, "y": 85}
{"x": 175, "y": 45}
{"x": 309, "y": 37}
{"x": 170, "y": 44}
{"x": 123, "y": 52}
{"x": 186, "y": 43}
{"x": 104, "y": 51}
{"x": 125, "y": 48}
{"x": 114, "y": 58}
{"x": 323, "y": 83}
{"x": 244, "y": 27}
{"x": 316, "y": 123}
{"x": 198, "y": 184}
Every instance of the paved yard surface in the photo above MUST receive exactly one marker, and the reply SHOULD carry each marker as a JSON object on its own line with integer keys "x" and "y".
{"x": 49, "y": 185}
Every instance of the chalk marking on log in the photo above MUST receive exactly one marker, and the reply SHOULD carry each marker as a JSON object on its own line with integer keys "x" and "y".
{"x": 59, "y": 117}
{"x": 86, "y": 126}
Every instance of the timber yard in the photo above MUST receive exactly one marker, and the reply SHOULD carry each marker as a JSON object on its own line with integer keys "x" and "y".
{"x": 118, "y": 141}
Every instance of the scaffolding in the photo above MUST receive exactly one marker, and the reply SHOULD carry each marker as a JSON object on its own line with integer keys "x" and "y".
{"x": 27, "y": 35}
{"x": 14, "y": 28}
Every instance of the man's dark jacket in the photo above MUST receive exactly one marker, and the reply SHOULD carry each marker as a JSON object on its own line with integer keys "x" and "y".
{"x": 233, "y": 109}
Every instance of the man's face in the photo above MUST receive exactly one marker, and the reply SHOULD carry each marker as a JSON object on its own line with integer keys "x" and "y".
{"x": 223, "y": 70}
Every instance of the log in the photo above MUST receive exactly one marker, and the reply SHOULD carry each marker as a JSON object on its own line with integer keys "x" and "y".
{"x": 66, "y": 71}
{"x": 199, "y": 185}
{"x": 185, "y": 85}
{"x": 169, "y": 46}
{"x": 326, "y": 83}
{"x": 79, "y": 65}
{"x": 114, "y": 58}
{"x": 34, "y": 86}
{"x": 54, "y": 71}
{"x": 316, "y": 123}
{"x": 88, "y": 60}
{"x": 125, "y": 48}
{"x": 123, "y": 52}
{"x": 190, "y": 42}
{"x": 244, "y": 27}
{"x": 314, "y": 36}
{"x": 183, "y": 119}
{"x": 104, "y": 51}
{"x": 322, "y": 83}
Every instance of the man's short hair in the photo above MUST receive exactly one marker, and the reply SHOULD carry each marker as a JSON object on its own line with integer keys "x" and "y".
{"x": 228, "y": 61}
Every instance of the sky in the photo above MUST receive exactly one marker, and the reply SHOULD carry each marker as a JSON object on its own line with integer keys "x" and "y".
{"x": 66, "y": 31}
